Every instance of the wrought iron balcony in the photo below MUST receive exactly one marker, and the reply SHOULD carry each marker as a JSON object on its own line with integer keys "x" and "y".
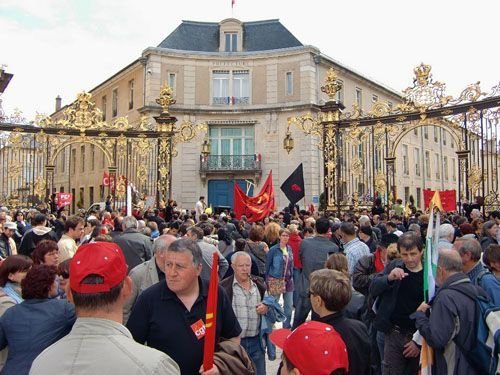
{"x": 230, "y": 163}
{"x": 231, "y": 100}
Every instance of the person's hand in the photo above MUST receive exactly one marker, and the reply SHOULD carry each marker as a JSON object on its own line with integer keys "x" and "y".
{"x": 423, "y": 307}
{"x": 262, "y": 309}
{"x": 397, "y": 274}
{"x": 213, "y": 371}
{"x": 411, "y": 350}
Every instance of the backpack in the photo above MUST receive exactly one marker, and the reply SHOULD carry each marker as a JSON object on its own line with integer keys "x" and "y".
{"x": 484, "y": 354}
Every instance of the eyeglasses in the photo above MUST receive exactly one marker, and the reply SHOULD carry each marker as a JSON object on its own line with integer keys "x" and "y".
{"x": 64, "y": 274}
{"x": 310, "y": 293}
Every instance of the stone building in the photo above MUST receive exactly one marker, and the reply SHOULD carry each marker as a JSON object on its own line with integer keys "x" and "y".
{"x": 245, "y": 80}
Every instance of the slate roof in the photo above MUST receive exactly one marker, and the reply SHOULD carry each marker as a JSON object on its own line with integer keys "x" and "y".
{"x": 204, "y": 37}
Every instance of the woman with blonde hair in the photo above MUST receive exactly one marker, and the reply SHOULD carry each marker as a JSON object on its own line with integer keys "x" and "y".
{"x": 272, "y": 234}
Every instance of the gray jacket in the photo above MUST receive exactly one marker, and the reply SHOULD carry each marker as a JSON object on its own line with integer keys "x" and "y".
{"x": 136, "y": 247}
{"x": 101, "y": 346}
{"x": 313, "y": 254}
{"x": 451, "y": 319}
{"x": 207, "y": 251}
{"x": 143, "y": 276}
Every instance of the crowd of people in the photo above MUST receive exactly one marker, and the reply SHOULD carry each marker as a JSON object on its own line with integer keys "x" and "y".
{"x": 128, "y": 294}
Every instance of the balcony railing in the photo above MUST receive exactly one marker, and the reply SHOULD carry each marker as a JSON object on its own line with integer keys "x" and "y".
{"x": 229, "y": 163}
{"x": 231, "y": 100}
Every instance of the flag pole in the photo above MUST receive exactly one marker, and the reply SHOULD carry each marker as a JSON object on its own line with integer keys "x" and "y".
{"x": 211, "y": 316}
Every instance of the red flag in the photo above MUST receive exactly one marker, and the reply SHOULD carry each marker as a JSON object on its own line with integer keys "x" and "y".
{"x": 254, "y": 208}
{"x": 63, "y": 199}
{"x": 105, "y": 179}
{"x": 211, "y": 316}
{"x": 448, "y": 199}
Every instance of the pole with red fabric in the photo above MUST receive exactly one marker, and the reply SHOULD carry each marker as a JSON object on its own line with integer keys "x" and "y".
{"x": 211, "y": 316}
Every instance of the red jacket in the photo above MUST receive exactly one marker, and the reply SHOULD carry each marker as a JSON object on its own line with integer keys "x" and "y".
{"x": 294, "y": 242}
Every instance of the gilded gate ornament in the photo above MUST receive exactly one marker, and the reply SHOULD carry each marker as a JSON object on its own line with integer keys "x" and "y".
{"x": 15, "y": 169}
{"x": 121, "y": 187}
{"x": 39, "y": 187}
{"x": 356, "y": 167}
{"x": 332, "y": 84}
{"x": 380, "y": 184}
{"x": 475, "y": 178}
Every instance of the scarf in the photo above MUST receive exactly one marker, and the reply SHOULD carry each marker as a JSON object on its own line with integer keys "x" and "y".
{"x": 13, "y": 291}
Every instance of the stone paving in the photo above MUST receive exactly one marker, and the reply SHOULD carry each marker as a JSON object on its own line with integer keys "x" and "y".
{"x": 272, "y": 366}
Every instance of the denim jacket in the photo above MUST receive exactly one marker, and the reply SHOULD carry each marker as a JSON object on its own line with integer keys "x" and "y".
{"x": 274, "y": 262}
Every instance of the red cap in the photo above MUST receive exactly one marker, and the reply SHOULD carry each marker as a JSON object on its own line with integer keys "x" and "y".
{"x": 104, "y": 259}
{"x": 315, "y": 348}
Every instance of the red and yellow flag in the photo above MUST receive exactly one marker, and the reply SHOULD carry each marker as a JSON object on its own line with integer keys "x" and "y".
{"x": 254, "y": 208}
{"x": 211, "y": 316}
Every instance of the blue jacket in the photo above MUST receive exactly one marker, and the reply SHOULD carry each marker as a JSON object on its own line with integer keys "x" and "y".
{"x": 450, "y": 322}
{"x": 274, "y": 262}
{"x": 480, "y": 276}
{"x": 274, "y": 314}
{"x": 30, "y": 327}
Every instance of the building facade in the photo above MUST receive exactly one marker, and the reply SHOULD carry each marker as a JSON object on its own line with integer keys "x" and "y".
{"x": 245, "y": 80}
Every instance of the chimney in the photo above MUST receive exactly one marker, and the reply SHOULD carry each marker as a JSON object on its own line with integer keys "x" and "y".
{"x": 58, "y": 103}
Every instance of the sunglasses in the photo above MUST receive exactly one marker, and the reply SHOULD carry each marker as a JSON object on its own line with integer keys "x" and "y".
{"x": 64, "y": 274}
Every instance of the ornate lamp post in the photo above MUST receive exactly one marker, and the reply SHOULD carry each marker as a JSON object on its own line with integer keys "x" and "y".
{"x": 169, "y": 136}
{"x": 326, "y": 127}
{"x": 330, "y": 117}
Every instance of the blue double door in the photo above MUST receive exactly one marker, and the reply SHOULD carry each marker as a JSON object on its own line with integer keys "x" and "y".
{"x": 221, "y": 192}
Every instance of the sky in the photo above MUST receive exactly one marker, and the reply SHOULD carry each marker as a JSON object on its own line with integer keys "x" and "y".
{"x": 62, "y": 47}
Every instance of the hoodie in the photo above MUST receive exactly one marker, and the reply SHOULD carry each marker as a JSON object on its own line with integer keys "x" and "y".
{"x": 33, "y": 236}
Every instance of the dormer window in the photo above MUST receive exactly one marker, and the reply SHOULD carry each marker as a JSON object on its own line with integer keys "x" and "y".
{"x": 231, "y": 35}
{"x": 231, "y": 42}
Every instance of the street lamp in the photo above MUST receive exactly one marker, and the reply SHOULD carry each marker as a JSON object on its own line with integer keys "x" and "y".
{"x": 288, "y": 142}
{"x": 205, "y": 149}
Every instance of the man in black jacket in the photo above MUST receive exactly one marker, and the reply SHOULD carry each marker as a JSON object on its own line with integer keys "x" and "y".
{"x": 330, "y": 292}
{"x": 400, "y": 291}
{"x": 364, "y": 272}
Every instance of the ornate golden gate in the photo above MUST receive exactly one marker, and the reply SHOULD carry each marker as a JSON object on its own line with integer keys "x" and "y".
{"x": 34, "y": 162}
{"x": 472, "y": 121}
